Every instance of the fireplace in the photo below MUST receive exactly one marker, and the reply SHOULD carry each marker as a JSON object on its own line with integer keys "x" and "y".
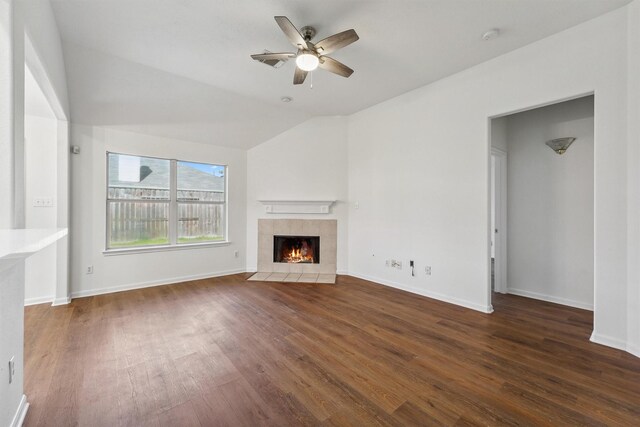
{"x": 296, "y": 249}
{"x": 289, "y": 250}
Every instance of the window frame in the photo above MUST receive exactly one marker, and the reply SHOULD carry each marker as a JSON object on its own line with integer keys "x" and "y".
{"x": 172, "y": 202}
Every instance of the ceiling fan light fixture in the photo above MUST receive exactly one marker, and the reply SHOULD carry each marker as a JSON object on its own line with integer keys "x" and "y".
{"x": 307, "y": 61}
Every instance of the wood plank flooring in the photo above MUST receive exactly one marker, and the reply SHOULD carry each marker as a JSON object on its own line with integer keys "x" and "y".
{"x": 227, "y": 352}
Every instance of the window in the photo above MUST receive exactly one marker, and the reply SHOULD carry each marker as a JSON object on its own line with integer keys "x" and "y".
{"x": 160, "y": 202}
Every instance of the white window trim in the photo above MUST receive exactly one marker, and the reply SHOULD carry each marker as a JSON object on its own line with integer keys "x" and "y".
{"x": 173, "y": 212}
{"x": 176, "y": 247}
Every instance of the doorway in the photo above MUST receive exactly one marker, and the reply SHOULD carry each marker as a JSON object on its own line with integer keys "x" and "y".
{"x": 542, "y": 203}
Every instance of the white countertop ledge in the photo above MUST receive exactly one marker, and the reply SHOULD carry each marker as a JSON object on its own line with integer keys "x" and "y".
{"x": 20, "y": 243}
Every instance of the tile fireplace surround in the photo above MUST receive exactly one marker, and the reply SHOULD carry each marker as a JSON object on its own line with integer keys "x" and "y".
{"x": 324, "y": 272}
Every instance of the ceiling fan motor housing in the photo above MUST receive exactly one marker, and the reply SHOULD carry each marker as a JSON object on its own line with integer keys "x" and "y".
{"x": 308, "y": 32}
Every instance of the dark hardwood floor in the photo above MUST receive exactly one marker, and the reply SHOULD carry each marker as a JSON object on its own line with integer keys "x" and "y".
{"x": 229, "y": 352}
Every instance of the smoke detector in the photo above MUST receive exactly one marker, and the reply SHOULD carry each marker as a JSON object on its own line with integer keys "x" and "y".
{"x": 491, "y": 34}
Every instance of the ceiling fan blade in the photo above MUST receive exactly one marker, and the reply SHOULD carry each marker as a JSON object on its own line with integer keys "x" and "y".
{"x": 299, "y": 76}
{"x": 334, "y": 66}
{"x": 291, "y": 32}
{"x": 279, "y": 56}
{"x": 336, "y": 41}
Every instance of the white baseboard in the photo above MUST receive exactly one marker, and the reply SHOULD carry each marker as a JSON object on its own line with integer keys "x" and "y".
{"x": 550, "y": 298}
{"x": 61, "y": 301}
{"x": 634, "y": 349}
{"x": 608, "y": 341}
{"x": 425, "y": 293}
{"x": 150, "y": 284}
{"x": 21, "y": 412}
{"x": 39, "y": 300}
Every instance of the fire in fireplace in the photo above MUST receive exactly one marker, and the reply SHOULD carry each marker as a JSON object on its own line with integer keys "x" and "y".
{"x": 296, "y": 249}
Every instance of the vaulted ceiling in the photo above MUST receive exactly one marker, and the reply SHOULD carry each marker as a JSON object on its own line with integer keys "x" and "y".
{"x": 181, "y": 68}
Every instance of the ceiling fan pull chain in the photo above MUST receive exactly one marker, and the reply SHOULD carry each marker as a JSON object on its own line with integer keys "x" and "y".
{"x": 311, "y": 80}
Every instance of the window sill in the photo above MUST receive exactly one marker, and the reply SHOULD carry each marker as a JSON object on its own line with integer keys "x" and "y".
{"x": 178, "y": 247}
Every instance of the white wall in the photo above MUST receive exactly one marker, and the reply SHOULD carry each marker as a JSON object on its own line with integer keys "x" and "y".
{"x": 11, "y": 108}
{"x": 17, "y": 17}
{"x": 550, "y": 204}
{"x": 42, "y": 51}
{"x": 41, "y": 182}
{"x": 418, "y": 166}
{"x": 633, "y": 164}
{"x": 11, "y": 274}
{"x": 307, "y": 162}
{"x": 418, "y": 169}
{"x": 11, "y": 336}
{"x": 63, "y": 282}
{"x": 88, "y": 198}
{"x": 6, "y": 117}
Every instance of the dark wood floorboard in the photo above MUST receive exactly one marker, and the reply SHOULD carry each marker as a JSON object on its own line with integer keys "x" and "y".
{"x": 227, "y": 352}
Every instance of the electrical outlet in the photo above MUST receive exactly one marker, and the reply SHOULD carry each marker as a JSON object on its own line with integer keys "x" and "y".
{"x": 427, "y": 270}
{"x": 396, "y": 264}
{"x": 90, "y": 269}
{"x": 236, "y": 254}
{"x": 12, "y": 369}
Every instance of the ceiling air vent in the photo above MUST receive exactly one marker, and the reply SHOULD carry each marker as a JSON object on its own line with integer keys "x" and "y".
{"x": 275, "y": 63}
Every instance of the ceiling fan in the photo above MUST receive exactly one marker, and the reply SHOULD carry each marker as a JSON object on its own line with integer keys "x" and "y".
{"x": 309, "y": 55}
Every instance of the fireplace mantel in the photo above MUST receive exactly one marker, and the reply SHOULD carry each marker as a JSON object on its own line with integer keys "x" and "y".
{"x": 297, "y": 206}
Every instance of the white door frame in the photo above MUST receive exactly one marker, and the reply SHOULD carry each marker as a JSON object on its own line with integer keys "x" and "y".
{"x": 500, "y": 239}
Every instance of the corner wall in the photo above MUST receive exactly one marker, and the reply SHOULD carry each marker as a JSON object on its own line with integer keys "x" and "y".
{"x": 112, "y": 273}
{"x": 307, "y": 162}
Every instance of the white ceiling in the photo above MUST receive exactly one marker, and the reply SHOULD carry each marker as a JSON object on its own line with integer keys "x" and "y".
{"x": 181, "y": 68}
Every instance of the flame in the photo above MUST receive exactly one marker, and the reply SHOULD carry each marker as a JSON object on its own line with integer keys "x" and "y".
{"x": 296, "y": 255}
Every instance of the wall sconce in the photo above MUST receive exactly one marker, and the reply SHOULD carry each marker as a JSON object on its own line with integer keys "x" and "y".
{"x": 560, "y": 145}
